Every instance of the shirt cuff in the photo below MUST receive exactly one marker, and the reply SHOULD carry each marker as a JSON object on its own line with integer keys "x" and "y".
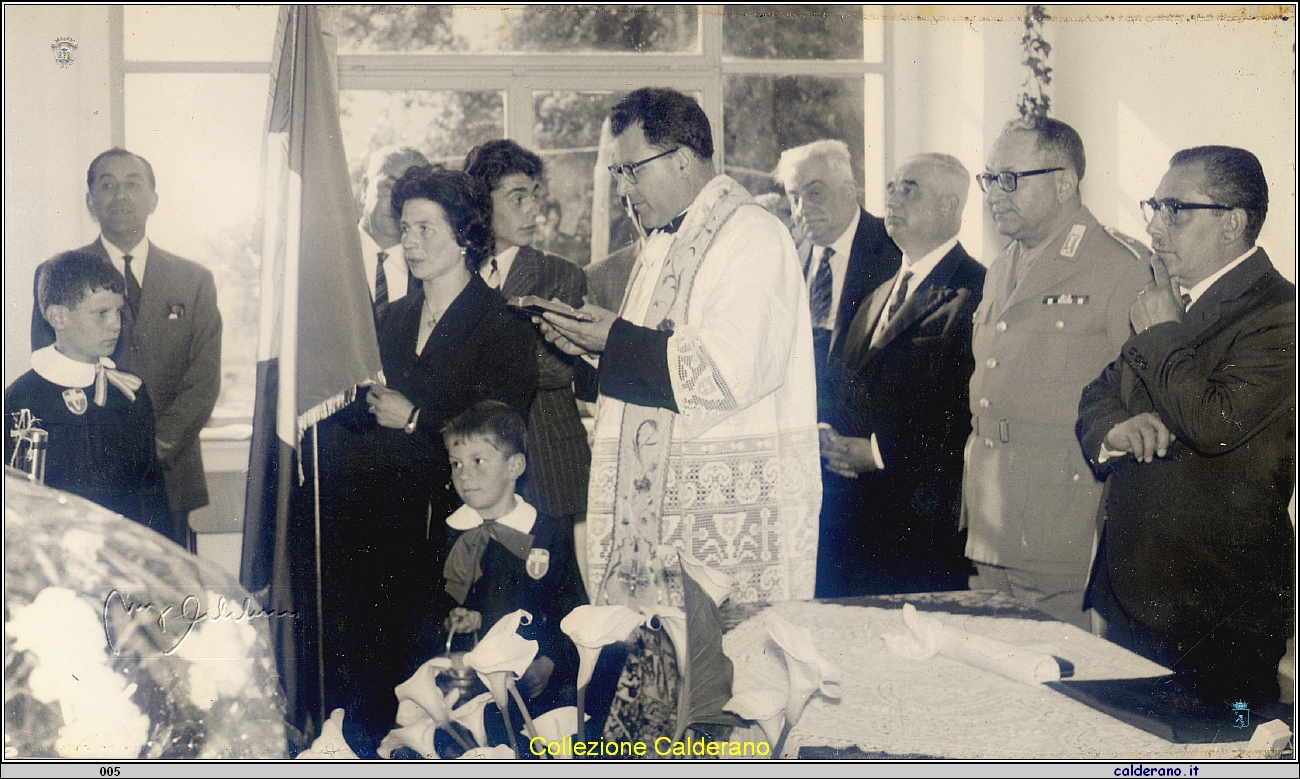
{"x": 1108, "y": 454}
{"x": 875, "y": 453}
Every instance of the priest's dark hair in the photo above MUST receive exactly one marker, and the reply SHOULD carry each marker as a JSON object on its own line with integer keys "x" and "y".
{"x": 458, "y": 196}
{"x": 71, "y": 277}
{"x": 667, "y": 117}
{"x": 493, "y": 420}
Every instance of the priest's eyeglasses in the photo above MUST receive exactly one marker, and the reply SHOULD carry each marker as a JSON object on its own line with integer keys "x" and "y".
{"x": 628, "y": 171}
{"x": 1174, "y": 212}
{"x": 1008, "y": 180}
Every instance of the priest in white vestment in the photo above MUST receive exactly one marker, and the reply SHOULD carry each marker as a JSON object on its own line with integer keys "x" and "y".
{"x": 706, "y": 420}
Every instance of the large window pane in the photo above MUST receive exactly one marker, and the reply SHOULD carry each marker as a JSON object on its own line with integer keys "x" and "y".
{"x": 794, "y": 32}
{"x": 567, "y": 132}
{"x": 203, "y": 135}
{"x": 444, "y": 124}
{"x": 765, "y": 115}
{"x": 198, "y": 33}
{"x": 432, "y": 29}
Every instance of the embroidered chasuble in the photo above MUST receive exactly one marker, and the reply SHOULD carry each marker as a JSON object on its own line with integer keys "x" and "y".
{"x": 733, "y": 476}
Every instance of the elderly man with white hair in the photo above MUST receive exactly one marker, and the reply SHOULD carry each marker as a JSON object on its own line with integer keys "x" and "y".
{"x": 894, "y": 436}
{"x": 846, "y": 252}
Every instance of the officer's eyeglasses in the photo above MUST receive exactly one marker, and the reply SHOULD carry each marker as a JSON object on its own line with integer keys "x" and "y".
{"x": 1175, "y": 212}
{"x": 1008, "y": 180}
{"x": 628, "y": 171}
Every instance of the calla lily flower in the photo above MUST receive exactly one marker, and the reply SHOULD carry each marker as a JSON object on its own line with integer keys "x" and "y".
{"x": 501, "y": 752}
{"x": 766, "y": 707}
{"x": 422, "y": 689}
{"x": 503, "y": 649}
{"x": 501, "y": 657}
{"x": 330, "y": 744}
{"x": 558, "y": 724}
{"x": 717, "y": 584}
{"x": 808, "y": 670}
{"x": 592, "y": 628}
{"x": 418, "y": 734}
{"x": 470, "y": 716}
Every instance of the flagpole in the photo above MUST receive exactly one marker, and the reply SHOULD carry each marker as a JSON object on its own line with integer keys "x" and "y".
{"x": 320, "y": 606}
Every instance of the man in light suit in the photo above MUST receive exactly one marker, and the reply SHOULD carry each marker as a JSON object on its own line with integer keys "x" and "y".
{"x": 846, "y": 252}
{"x": 893, "y": 445}
{"x": 1193, "y": 428}
{"x": 1054, "y": 313}
{"x": 381, "y": 246}
{"x": 171, "y": 327}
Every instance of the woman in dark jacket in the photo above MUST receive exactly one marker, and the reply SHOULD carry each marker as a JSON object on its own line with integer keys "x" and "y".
{"x": 444, "y": 347}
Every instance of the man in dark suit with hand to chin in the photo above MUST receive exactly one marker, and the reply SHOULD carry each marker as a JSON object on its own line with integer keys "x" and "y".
{"x": 1193, "y": 428}
{"x": 171, "y": 327}
{"x": 846, "y": 253}
{"x": 892, "y": 443}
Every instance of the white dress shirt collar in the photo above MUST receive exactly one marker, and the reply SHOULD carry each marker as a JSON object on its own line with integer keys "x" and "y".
{"x": 139, "y": 255}
{"x": 1200, "y": 289}
{"x": 505, "y": 260}
{"x": 57, "y": 368}
{"x": 521, "y": 517}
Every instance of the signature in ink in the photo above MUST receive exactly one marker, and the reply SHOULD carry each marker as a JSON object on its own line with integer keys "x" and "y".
{"x": 189, "y": 614}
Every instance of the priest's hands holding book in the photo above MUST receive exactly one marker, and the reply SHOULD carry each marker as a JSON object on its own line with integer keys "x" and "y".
{"x": 578, "y": 336}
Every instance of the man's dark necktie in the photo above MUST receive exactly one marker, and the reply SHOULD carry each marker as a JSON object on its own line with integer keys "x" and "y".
{"x": 819, "y": 295}
{"x": 381, "y": 282}
{"x": 901, "y": 296}
{"x": 132, "y": 286}
{"x": 494, "y": 275}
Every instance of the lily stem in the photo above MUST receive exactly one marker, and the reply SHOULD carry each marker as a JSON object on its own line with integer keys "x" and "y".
{"x": 510, "y": 729}
{"x": 582, "y": 712}
{"x": 780, "y": 742}
{"x": 458, "y": 738}
{"x": 523, "y": 709}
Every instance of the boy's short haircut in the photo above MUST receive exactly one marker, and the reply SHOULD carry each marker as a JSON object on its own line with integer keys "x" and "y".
{"x": 71, "y": 277}
{"x": 501, "y": 425}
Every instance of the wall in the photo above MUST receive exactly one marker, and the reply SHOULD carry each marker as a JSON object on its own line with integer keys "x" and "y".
{"x": 1138, "y": 90}
{"x": 56, "y": 121}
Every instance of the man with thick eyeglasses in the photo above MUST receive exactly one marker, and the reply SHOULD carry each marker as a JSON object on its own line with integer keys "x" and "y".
{"x": 1193, "y": 429}
{"x": 706, "y": 431}
{"x": 1054, "y": 313}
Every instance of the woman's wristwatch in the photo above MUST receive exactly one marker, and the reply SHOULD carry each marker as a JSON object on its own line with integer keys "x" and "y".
{"x": 411, "y": 420}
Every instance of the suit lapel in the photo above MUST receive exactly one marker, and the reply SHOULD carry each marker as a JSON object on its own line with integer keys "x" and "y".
{"x": 523, "y": 273}
{"x": 459, "y": 320}
{"x": 1227, "y": 297}
{"x": 932, "y": 294}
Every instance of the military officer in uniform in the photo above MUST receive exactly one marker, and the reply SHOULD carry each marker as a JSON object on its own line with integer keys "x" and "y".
{"x": 1054, "y": 314}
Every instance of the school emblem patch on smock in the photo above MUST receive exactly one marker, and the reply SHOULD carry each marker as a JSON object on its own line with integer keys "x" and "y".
{"x": 538, "y": 563}
{"x": 75, "y": 399}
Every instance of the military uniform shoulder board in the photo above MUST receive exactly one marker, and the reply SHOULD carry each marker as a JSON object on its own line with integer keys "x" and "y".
{"x": 538, "y": 562}
{"x": 1135, "y": 247}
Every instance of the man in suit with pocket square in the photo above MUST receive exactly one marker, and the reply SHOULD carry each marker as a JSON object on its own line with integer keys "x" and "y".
{"x": 1193, "y": 430}
{"x": 892, "y": 443}
{"x": 171, "y": 327}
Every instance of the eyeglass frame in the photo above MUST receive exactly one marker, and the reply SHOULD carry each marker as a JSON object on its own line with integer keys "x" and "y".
{"x": 1175, "y": 206}
{"x": 984, "y": 179}
{"x": 628, "y": 170}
